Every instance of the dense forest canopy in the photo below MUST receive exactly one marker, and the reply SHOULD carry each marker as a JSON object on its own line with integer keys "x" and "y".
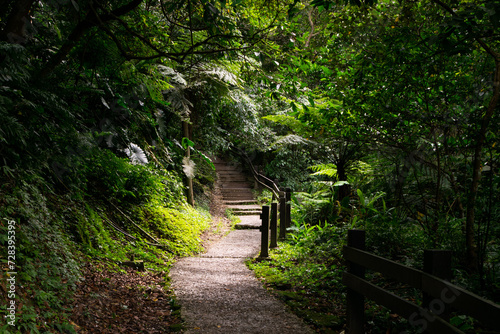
{"x": 380, "y": 115}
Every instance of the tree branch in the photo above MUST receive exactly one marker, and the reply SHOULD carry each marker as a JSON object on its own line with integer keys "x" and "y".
{"x": 178, "y": 24}
{"x": 311, "y": 33}
{"x": 91, "y": 20}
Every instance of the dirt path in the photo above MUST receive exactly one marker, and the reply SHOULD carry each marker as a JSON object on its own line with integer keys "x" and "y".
{"x": 219, "y": 294}
{"x": 216, "y": 290}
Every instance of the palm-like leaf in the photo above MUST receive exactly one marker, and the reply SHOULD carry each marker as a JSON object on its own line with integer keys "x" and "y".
{"x": 136, "y": 154}
{"x": 329, "y": 170}
{"x": 290, "y": 140}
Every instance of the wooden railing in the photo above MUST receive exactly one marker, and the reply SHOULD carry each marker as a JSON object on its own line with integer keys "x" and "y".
{"x": 283, "y": 197}
{"x": 440, "y": 296}
{"x": 259, "y": 178}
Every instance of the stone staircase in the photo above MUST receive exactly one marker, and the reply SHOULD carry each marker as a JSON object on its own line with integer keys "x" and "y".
{"x": 237, "y": 194}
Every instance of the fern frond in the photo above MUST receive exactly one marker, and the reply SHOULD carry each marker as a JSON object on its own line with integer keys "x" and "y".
{"x": 178, "y": 101}
{"x": 136, "y": 154}
{"x": 329, "y": 170}
{"x": 290, "y": 140}
{"x": 175, "y": 77}
{"x": 188, "y": 166}
{"x": 224, "y": 75}
{"x": 286, "y": 120}
{"x": 11, "y": 130}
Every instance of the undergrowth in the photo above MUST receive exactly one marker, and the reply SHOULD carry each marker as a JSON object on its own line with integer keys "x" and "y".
{"x": 306, "y": 272}
{"x": 121, "y": 212}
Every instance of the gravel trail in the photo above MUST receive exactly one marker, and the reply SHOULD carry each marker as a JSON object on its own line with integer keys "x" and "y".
{"x": 219, "y": 294}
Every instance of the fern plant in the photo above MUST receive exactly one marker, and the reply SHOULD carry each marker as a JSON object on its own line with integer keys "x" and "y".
{"x": 329, "y": 170}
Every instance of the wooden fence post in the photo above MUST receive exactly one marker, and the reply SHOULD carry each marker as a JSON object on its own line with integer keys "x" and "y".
{"x": 264, "y": 229}
{"x": 274, "y": 225}
{"x": 282, "y": 216}
{"x": 288, "y": 196}
{"x": 437, "y": 262}
{"x": 355, "y": 300}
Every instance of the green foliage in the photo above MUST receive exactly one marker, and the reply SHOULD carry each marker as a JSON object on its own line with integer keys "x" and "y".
{"x": 14, "y": 74}
{"x": 388, "y": 101}
{"x": 317, "y": 205}
{"x": 92, "y": 233}
{"x": 54, "y": 232}
{"x": 288, "y": 165}
{"x": 232, "y": 217}
{"x": 383, "y": 101}
{"x": 178, "y": 229}
{"x": 46, "y": 262}
{"x": 75, "y": 95}
{"x": 265, "y": 197}
{"x": 110, "y": 177}
{"x": 306, "y": 273}
{"x": 329, "y": 170}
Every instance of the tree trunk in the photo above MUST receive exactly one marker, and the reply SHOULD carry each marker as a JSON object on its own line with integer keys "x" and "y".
{"x": 470, "y": 244}
{"x": 189, "y": 182}
{"x": 476, "y": 168}
{"x": 344, "y": 190}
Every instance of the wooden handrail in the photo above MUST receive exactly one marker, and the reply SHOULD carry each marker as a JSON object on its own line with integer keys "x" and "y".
{"x": 284, "y": 197}
{"x": 445, "y": 294}
{"x": 479, "y": 308}
{"x": 403, "y": 307}
{"x": 257, "y": 176}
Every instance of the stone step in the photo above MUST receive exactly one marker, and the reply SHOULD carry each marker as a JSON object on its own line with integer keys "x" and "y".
{"x": 240, "y": 192}
{"x": 238, "y": 198}
{"x": 246, "y": 213}
{"x": 228, "y": 169}
{"x": 242, "y": 202}
{"x": 234, "y": 179}
{"x": 228, "y": 185}
{"x": 244, "y": 183}
{"x": 230, "y": 191}
{"x": 224, "y": 163}
{"x": 249, "y": 222}
{"x": 231, "y": 174}
{"x": 236, "y": 190}
{"x": 246, "y": 227}
{"x": 245, "y": 207}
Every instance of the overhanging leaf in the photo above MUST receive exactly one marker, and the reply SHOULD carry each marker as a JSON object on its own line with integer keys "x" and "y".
{"x": 187, "y": 143}
{"x": 329, "y": 170}
{"x": 340, "y": 183}
{"x": 290, "y": 140}
{"x": 286, "y": 120}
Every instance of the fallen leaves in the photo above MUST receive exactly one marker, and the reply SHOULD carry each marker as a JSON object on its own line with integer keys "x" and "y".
{"x": 117, "y": 302}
